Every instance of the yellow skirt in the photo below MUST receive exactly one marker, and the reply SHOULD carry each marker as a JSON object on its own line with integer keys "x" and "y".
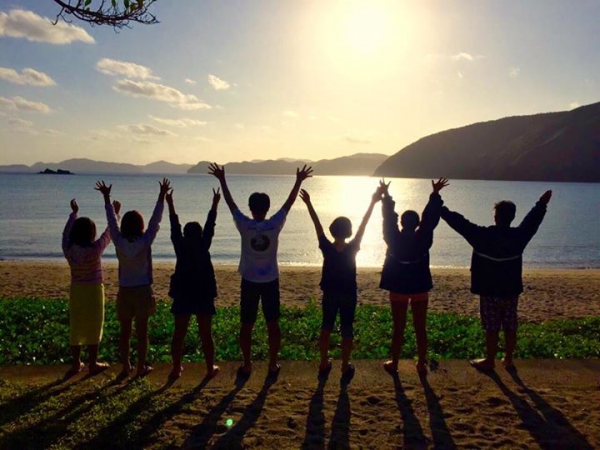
{"x": 86, "y": 306}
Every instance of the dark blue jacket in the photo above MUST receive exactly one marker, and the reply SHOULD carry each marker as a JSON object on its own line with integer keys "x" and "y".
{"x": 406, "y": 266}
{"x": 194, "y": 276}
{"x": 497, "y": 260}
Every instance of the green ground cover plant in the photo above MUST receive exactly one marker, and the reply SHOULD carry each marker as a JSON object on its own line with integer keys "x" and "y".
{"x": 36, "y": 331}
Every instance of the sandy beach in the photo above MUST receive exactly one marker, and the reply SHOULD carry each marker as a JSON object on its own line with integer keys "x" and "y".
{"x": 548, "y": 294}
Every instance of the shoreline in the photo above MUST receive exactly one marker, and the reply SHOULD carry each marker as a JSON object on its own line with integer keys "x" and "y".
{"x": 549, "y": 293}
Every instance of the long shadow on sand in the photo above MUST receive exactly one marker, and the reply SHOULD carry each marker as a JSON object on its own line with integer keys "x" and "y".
{"x": 340, "y": 424}
{"x": 412, "y": 429}
{"x": 43, "y": 433}
{"x": 547, "y": 425}
{"x": 315, "y": 422}
{"x": 202, "y": 433}
{"x": 437, "y": 423}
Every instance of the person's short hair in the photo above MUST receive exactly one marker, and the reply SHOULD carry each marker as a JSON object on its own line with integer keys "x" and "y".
{"x": 341, "y": 228}
{"x": 132, "y": 225}
{"x": 505, "y": 211}
{"x": 410, "y": 220}
{"x": 83, "y": 232}
{"x": 192, "y": 230}
{"x": 259, "y": 203}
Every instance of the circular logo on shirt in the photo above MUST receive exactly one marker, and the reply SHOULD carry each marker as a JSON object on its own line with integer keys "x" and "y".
{"x": 260, "y": 243}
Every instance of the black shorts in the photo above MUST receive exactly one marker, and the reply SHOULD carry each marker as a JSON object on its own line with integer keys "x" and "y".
{"x": 252, "y": 293}
{"x": 345, "y": 303}
{"x": 499, "y": 313}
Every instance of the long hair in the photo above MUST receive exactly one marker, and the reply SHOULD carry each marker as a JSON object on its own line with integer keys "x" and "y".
{"x": 132, "y": 225}
{"x": 192, "y": 231}
{"x": 83, "y": 232}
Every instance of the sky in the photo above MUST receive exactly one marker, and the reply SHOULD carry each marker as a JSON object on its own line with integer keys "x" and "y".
{"x": 243, "y": 80}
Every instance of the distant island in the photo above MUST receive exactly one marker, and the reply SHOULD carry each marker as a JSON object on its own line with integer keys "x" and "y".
{"x": 560, "y": 146}
{"x": 358, "y": 164}
{"x": 55, "y": 172}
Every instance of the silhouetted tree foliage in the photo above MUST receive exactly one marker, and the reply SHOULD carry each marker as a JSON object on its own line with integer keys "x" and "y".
{"x": 115, "y": 13}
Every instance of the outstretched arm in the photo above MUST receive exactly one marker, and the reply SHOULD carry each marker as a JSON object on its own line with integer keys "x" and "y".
{"x": 390, "y": 218}
{"x": 111, "y": 213}
{"x": 459, "y": 224}
{"x": 533, "y": 219}
{"x": 431, "y": 214}
{"x": 301, "y": 175}
{"x": 219, "y": 173}
{"x": 363, "y": 225}
{"x": 211, "y": 219}
{"x": 69, "y": 224}
{"x": 176, "y": 234}
{"x": 305, "y": 196}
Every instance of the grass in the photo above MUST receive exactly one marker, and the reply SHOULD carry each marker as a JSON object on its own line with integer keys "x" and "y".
{"x": 36, "y": 331}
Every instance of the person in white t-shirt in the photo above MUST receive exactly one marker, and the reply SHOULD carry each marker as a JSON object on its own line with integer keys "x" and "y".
{"x": 258, "y": 264}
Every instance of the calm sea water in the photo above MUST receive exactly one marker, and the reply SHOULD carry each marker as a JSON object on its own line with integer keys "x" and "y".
{"x": 34, "y": 209}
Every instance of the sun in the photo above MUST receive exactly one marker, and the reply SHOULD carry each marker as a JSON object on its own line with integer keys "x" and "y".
{"x": 365, "y": 28}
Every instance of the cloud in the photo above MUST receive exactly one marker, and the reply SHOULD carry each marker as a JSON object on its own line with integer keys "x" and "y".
{"x": 181, "y": 123}
{"x": 21, "y": 104}
{"x": 127, "y": 69}
{"x": 217, "y": 83}
{"x": 190, "y": 81}
{"x": 290, "y": 113}
{"x": 27, "y": 76}
{"x": 18, "y": 122}
{"x": 19, "y": 23}
{"x": 514, "y": 72}
{"x": 462, "y": 56}
{"x": 145, "y": 129}
{"x": 160, "y": 92}
{"x": 356, "y": 140}
{"x": 53, "y": 132}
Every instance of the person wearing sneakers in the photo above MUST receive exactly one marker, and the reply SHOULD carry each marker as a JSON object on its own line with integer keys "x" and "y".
{"x": 497, "y": 271}
{"x": 406, "y": 273}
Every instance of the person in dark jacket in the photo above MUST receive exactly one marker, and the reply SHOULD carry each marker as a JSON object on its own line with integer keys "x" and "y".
{"x": 193, "y": 285}
{"x": 406, "y": 272}
{"x": 496, "y": 271}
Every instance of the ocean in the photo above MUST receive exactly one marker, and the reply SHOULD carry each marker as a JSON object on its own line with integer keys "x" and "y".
{"x": 34, "y": 209}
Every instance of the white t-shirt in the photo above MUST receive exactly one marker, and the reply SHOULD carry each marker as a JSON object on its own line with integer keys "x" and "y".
{"x": 258, "y": 262}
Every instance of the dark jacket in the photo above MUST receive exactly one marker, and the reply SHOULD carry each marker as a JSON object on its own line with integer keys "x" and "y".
{"x": 406, "y": 266}
{"x": 497, "y": 260}
{"x": 194, "y": 276}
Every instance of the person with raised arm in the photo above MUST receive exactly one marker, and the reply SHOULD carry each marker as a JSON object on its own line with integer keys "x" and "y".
{"x": 338, "y": 281}
{"x": 193, "y": 285}
{"x": 406, "y": 274}
{"x": 135, "y": 299}
{"x": 86, "y": 294}
{"x": 258, "y": 264}
{"x": 497, "y": 271}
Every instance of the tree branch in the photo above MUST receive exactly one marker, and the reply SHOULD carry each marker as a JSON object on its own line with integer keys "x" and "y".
{"x": 117, "y": 13}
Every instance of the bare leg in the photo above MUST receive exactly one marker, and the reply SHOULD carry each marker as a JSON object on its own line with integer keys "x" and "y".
{"x": 274, "y": 343}
{"x": 141, "y": 332}
{"x": 124, "y": 338}
{"x": 419, "y": 311}
{"x": 511, "y": 342}
{"x": 76, "y": 358}
{"x": 181, "y": 326}
{"x": 399, "y": 309}
{"x": 347, "y": 343}
{"x": 208, "y": 345}
{"x": 491, "y": 344}
{"x": 324, "y": 348}
{"x": 246, "y": 345}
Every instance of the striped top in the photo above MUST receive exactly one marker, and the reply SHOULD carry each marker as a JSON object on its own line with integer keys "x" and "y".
{"x": 85, "y": 262}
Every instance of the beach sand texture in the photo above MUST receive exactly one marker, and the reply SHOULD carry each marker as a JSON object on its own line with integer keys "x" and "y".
{"x": 549, "y": 294}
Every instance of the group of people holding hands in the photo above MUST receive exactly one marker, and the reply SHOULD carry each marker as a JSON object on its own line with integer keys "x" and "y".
{"x": 496, "y": 275}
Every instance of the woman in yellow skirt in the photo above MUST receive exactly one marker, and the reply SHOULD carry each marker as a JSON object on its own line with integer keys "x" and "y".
{"x": 86, "y": 299}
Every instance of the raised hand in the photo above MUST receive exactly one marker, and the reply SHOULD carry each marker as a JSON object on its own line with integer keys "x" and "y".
{"x": 169, "y": 197}
{"x": 216, "y": 196}
{"x": 377, "y": 194}
{"x": 165, "y": 185}
{"x": 383, "y": 186}
{"x": 305, "y": 196}
{"x": 117, "y": 206}
{"x": 74, "y": 206}
{"x": 546, "y": 196}
{"x": 103, "y": 188}
{"x": 215, "y": 170}
{"x": 304, "y": 173}
{"x": 439, "y": 184}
